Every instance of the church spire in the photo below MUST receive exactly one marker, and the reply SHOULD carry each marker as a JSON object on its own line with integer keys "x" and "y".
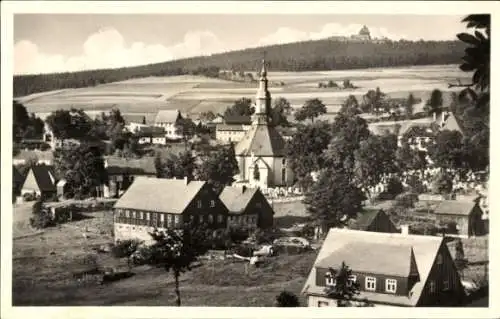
{"x": 263, "y": 98}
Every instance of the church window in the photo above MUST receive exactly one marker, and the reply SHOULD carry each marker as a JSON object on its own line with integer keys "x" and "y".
{"x": 284, "y": 161}
{"x": 283, "y": 175}
{"x": 256, "y": 172}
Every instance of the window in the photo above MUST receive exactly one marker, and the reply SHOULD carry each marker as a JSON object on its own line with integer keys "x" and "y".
{"x": 147, "y": 216}
{"x": 133, "y": 214}
{"x": 210, "y": 218}
{"x": 330, "y": 279}
{"x": 212, "y": 203}
{"x": 439, "y": 259}
{"x": 141, "y": 215}
{"x": 201, "y": 218}
{"x": 283, "y": 175}
{"x": 432, "y": 286}
{"x": 446, "y": 285}
{"x": 127, "y": 213}
{"x": 220, "y": 218}
{"x": 390, "y": 285}
{"x": 323, "y": 304}
{"x": 258, "y": 205}
{"x": 370, "y": 283}
{"x": 283, "y": 161}
{"x": 177, "y": 219}
{"x": 199, "y": 204}
{"x": 162, "y": 217}
{"x": 169, "y": 220}
{"x": 353, "y": 279}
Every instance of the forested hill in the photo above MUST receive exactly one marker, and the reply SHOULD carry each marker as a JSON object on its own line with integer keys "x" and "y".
{"x": 300, "y": 56}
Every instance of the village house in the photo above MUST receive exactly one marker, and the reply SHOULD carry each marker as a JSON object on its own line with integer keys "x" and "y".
{"x": 261, "y": 153}
{"x": 162, "y": 203}
{"x": 247, "y": 207}
{"x": 170, "y": 120}
{"x": 375, "y": 221}
{"x": 233, "y": 129}
{"x": 393, "y": 270}
{"x": 450, "y": 122}
{"x": 133, "y": 122}
{"x": 465, "y": 216}
{"x": 122, "y": 172}
{"x": 40, "y": 181}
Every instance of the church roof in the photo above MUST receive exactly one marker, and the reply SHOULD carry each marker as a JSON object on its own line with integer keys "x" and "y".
{"x": 261, "y": 140}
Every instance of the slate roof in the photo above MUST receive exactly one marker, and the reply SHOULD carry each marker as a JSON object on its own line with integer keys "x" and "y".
{"x": 159, "y": 195}
{"x": 425, "y": 249}
{"x": 366, "y": 258}
{"x": 454, "y": 207}
{"x": 134, "y": 118}
{"x": 237, "y": 200}
{"x": 261, "y": 140}
{"x": 120, "y": 165}
{"x": 364, "y": 219}
{"x": 230, "y": 127}
{"x": 44, "y": 177}
{"x": 237, "y": 119}
{"x": 167, "y": 116}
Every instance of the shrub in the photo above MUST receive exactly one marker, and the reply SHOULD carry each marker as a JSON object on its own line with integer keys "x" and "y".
{"x": 62, "y": 215}
{"x": 287, "y": 299}
{"x": 29, "y": 197}
{"x": 125, "y": 248}
{"x": 442, "y": 184}
{"x": 406, "y": 200}
{"x": 41, "y": 217}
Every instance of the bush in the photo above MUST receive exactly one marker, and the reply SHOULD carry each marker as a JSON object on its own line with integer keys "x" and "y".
{"x": 29, "y": 197}
{"x": 62, "y": 215}
{"x": 406, "y": 200}
{"x": 442, "y": 184}
{"x": 42, "y": 218}
{"x": 125, "y": 248}
{"x": 287, "y": 299}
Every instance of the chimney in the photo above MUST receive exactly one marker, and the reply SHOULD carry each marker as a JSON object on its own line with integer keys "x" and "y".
{"x": 186, "y": 180}
{"x": 442, "y": 117}
{"x": 405, "y": 229}
{"x": 434, "y": 116}
{"x": 243, "y": 189}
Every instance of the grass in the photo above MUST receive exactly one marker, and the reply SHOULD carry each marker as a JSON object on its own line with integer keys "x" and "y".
{"x": 43, "y": 268}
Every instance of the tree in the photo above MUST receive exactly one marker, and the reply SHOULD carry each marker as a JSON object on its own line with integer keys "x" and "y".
{"x": 219, "y": 168}
{"x": 434, "y": 104}
{"x": 375, "y": 157}
{"x": 176, "y": 166}
{"x": 347, "y": 84}
{"x": 373, "y": 101}
{"x": 410, "y": 101}
{"x": 442, "y": 183}
{"x": 125, "y": 249}
{"x": 448, "y": 149}
{"x": 25, "y": 125}
{"x": 69, "y": 124}
{"x": 82, "y": 167}
{"x": 174, "y": 250}
{"x": 311, "y": 110}
{"x": 280, "y": 111}
{"x": 344, "y": 288}
{"x": 333, "y": 199}
{"x": 304, "y": 150}
{"x": 241, "y": 107}
{"x": 207, "y": 116}
{"x": 41, "y": 217}
{"x": 350, "y": 106}
{"x": 287, "y": 299}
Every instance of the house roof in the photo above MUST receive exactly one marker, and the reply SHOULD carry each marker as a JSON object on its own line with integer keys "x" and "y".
{"x": 451, "y": 123}
{"x": 237, "y": 199}
{"x": 454, "y": 207}
{"x": 261, "y": 140}
{"x": 167, "y": 116}
{"x": 120, "y": 165}
{"x": 134, "y": 118}
{"x": 17, "y": 177}
{"x": 366, "y": 258}
{"x": 159, "y": 194}
{"x": 425, "y": 249}
{"x": 230, "y": 127}
{"x": 237, "y": 119}
{"x": 365, "y": 219}
{"x": 44, "y": 177}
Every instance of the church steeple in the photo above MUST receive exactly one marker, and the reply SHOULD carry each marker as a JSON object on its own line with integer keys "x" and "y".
{"x": 263, "y": 98}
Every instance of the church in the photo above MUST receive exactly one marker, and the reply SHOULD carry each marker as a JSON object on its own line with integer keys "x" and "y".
{"x": 261, "y": 152}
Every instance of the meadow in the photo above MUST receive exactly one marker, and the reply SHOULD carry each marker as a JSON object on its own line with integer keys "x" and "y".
{"x": 195, "y": 94}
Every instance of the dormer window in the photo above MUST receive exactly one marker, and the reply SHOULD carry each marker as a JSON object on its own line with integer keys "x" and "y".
{"x": 330, "y": 279}
{"x": 446, "y": 285}
{"x": 391, "y": 285}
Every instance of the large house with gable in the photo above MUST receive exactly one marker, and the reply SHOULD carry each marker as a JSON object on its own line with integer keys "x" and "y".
{"x": 395, "y": 270}
{"x": 261, "y": 152}
{"x": 169, "y": 120}
{"x": 162, "y": 203}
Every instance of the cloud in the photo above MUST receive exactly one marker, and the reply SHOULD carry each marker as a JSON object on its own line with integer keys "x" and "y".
{"x": 287, "y": 35}
{"x": 107, "y": 49}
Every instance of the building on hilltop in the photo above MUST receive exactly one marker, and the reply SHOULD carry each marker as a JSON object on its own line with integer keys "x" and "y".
{"x": 363, "y": 35}
{"x": 247, "y": 207}
{"x": 261, "y": 152}
{"x": 394, "y": 270}
{"x": 162, "y": 203}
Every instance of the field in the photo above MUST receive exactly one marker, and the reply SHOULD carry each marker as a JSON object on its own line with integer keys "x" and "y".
{"x": 195, "y": 94}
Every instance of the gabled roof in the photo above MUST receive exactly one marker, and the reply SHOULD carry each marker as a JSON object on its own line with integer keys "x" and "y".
{"x": 365, "y": 219}
{"x": 159, "y": 195}
{"x": 121, "y": 165}
{"x": 261, "y": 140}
{"x": 237, "y": 199}
{"x": 237, "y": 119}
{"x": 17, "y": 177}
{"x": 230, "y": 127}
{"x": 167, "y": 116}
{"x": 134, "y": 118}
{"x": 451, "y": 123}
{"x": 425, "y": 249}
{"x": 383, "y": 259}
{"x": 44, "y": 177}
{"x": 455, "y": 207}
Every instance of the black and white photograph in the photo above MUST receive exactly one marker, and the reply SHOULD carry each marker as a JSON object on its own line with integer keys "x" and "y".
{"x": 232, "y": 158}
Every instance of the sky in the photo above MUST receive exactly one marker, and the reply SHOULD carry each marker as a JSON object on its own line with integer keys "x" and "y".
{"x": 46, "y": 43}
